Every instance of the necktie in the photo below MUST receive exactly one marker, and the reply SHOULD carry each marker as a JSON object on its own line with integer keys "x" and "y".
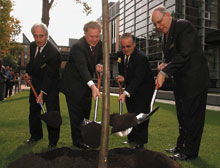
{"x": 37, "y": 55}
{"x": 126, "y": 65}
{"x": 93, "y": 51}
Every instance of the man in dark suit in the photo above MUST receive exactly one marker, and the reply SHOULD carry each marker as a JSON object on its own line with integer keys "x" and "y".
{"x": 136, "y": 74}
{"x": 43, "y": 70}
{"x": 77, "y": 85}
{"x": 185, "y": 60}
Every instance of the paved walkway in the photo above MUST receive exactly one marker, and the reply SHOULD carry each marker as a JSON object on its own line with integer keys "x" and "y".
{"x": 215, "y": 108}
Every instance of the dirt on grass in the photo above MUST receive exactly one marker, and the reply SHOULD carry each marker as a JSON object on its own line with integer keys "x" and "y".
{"x": 117, "y": 158}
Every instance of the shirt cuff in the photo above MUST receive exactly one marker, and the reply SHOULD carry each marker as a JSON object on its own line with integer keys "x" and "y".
{"x": 43, "y": 92}
{"x": 90, "y": 83}
{"x": 163, "y": 73}
{"x": 127, "y": 93}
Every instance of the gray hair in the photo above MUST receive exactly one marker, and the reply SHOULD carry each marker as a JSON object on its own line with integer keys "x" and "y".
{"x": 93, "y": 25}
{"x": 160, "y": 8}
{"x": 41, "y": 25}
{"x": 128, "y": 35}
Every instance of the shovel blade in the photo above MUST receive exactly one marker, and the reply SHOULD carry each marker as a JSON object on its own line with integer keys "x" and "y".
{"x": 124, "y": 133}
{"x": 52, "y": 118}
{"x": 91, "y": 134}
{"x": 122, "y": 122}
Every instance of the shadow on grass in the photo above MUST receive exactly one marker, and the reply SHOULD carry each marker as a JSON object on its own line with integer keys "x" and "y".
{"x": 199, "y": 162}
{"x": 8, "y": 100}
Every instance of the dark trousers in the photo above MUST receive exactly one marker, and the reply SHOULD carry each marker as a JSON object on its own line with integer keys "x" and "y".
{"x": 139, "y": 133}
{"x": 78, "y": 110}
{"x": 191, "y": 118}
{"x": 9, "y": 86}
{"x": 35, "y": 124}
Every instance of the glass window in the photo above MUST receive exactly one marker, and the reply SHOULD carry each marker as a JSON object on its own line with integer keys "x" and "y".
{"x": 141, "y": 31}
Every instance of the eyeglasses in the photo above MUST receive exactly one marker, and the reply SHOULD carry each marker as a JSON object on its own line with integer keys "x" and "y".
{"x": 128, "y": 46}
{"x": 159, "y": 21}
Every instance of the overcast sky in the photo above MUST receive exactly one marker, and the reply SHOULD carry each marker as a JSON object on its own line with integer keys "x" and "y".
{"x": 66, "y": 18}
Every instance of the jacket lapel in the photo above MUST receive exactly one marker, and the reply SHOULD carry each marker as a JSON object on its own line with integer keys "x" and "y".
{"x": 169, "y": 42}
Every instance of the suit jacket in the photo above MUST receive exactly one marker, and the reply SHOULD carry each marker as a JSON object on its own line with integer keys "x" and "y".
{"x": 80, "y": 69}
{"x": 186, "y": 61}
{"x": 139, "y": 81}
{"x": 45, "y": 69}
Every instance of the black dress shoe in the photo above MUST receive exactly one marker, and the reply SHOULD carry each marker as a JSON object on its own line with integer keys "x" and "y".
{"x": 127, "y": 142}
{"x": 82, "y": 145}
{"x": 138, "y": 146}
{"x": 173, "y": 150}
{"x": 32, "y": 140}
{"x": 181, "y": 156}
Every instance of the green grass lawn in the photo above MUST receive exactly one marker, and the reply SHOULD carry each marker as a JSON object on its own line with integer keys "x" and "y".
{"x": 163, "y": 131}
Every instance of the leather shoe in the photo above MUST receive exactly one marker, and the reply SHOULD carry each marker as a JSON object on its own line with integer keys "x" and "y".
{"x": 32, "y": 140}
{"x": 173, "y": 150}
{"x": 82, "y": 145}
{"x": 181, "y": 156}
{"x": 127, "y": 142}
{"x": 138, "y": 146}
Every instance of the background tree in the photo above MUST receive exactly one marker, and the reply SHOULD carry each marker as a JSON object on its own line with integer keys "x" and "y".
{"x": 47, "y": 5}
{"x": 9, "y": 27}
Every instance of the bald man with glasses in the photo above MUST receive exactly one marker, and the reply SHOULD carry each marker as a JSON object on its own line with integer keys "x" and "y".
{"x": 185, "y": 61}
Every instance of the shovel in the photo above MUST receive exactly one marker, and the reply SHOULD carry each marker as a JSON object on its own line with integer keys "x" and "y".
{"x": 123, "y": 122}
{"x": 52, "y": 118}
{"x": 127, "y": 131}
{"x": 91, "y": 130}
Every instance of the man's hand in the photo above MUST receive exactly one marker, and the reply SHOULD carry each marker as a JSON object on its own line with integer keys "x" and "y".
{"x": 122, "y": 97}
{"x": 160, "y": 79}
{"x": 120, "y": 78}
{"x": 95, "y": 92}
{"x": 27, "y": 76}
{"x": 161, "y": 66}
{"x": 99, "y": 68}
{"x": 39, "y": 98}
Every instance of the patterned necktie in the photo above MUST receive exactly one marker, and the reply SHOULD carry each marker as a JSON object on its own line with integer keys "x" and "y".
{"x": 126, "y": 65}
{"x": 93, "y": 51}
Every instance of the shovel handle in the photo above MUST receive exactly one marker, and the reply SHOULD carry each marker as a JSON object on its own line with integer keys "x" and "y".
{"x": 32, "y": 87}
{"x": 34, "y": 91}
{"x": 120, "y": 86}
{"x": 120, "y": 92}
{"x": 99, "y": 76}
{"x": 154, "y": 97}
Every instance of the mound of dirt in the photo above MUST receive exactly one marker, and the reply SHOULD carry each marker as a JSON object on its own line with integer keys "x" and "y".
{"x": 117, "y": 158}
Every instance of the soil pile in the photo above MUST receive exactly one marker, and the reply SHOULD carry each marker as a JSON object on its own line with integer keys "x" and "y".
{"x": 117, "y": 158}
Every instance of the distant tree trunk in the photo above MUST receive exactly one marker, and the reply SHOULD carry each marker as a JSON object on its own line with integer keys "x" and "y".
{"x": 45, "y": 11}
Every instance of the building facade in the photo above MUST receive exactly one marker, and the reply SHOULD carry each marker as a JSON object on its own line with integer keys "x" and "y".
{"x": 135, "y": 17}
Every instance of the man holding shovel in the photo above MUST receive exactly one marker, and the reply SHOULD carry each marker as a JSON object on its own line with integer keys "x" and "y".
{"x": 77, "y": 85}
{"x": 136, "y": 74}
{"x": 43, "y": 70}
{"x": 185, "y": 61}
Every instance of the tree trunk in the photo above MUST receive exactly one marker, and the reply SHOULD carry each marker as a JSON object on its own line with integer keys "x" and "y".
{"x": 103, "y": 153}
{"x": 45, "y": 11}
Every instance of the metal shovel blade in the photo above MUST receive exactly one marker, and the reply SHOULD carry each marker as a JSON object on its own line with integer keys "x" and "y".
{"x": 123, "y": 122}
{"x": 91, "y": 130}
{"x": 127, "y": 131}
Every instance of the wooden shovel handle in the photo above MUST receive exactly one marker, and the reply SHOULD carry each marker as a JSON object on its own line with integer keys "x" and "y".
{"x": 99, "y": 76}
{"x": 120, "y": 86}
{"x": 32, "y": 87}
{"x": 157, "y": 86}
